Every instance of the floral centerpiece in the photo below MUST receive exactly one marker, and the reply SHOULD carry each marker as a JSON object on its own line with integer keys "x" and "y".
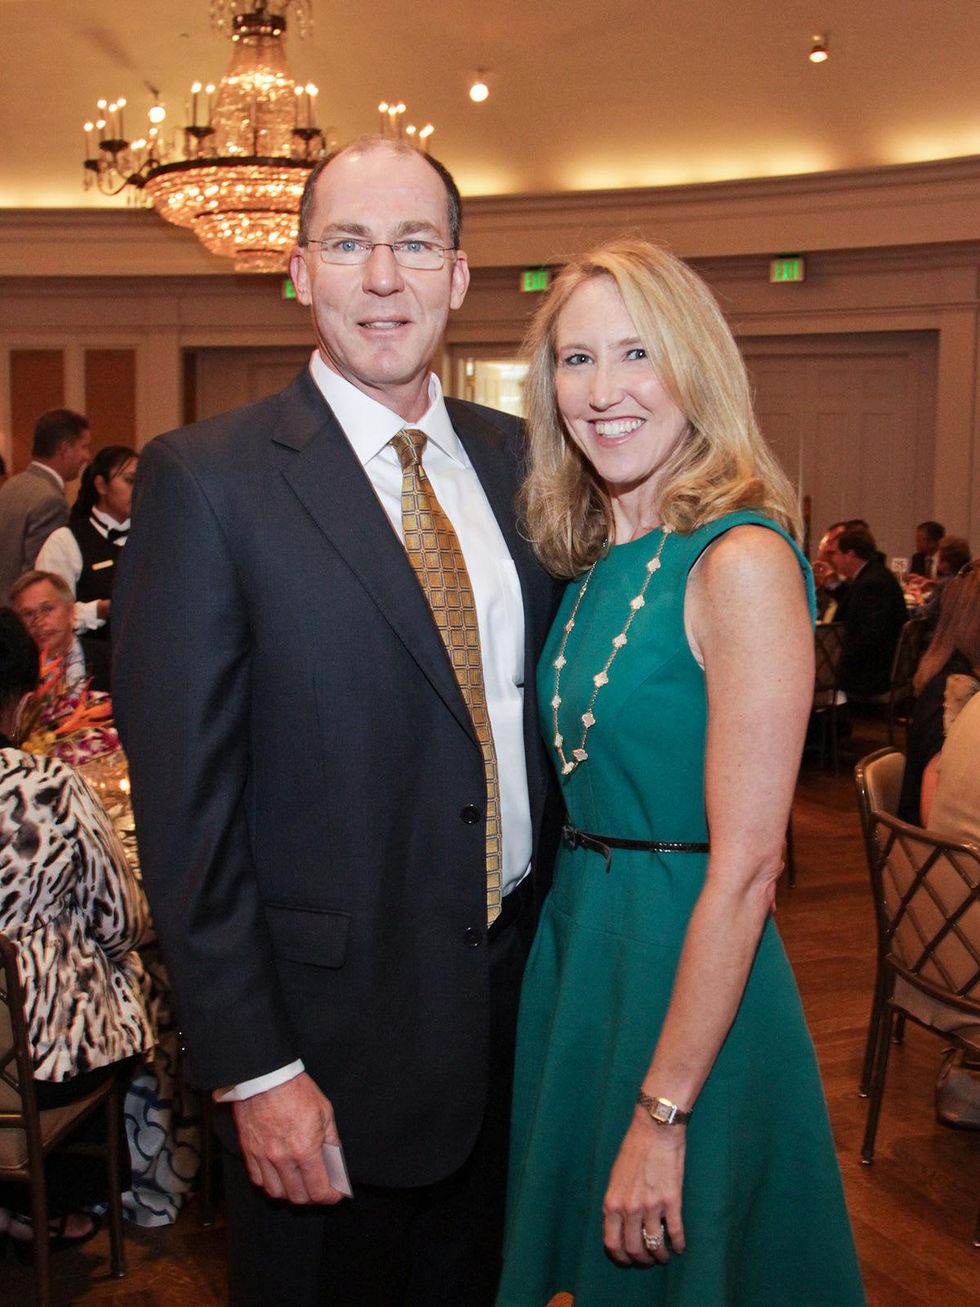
{"x": 71, "y": 723}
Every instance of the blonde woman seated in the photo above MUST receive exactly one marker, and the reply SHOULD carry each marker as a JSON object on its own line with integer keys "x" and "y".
{"x": 73, "y": 909}
{"x": 670, "y": 1139}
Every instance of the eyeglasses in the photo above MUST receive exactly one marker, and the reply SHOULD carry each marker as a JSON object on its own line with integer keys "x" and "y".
{"x": 351, "y": 250}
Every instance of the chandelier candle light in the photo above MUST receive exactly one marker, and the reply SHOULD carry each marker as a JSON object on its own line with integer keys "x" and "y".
{"x": 249, "y": 145}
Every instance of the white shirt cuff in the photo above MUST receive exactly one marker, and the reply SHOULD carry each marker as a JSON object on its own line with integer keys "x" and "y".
{"x": 258, "y": 1085}
{"x": 87, "y": 616}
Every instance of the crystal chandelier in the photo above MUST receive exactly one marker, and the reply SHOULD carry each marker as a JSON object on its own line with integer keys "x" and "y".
{"x": 249, "y": 147}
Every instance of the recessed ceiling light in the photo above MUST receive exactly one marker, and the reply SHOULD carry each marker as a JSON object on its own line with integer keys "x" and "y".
{"x": 479, "y": 89}
{"x": 818, "y": 51}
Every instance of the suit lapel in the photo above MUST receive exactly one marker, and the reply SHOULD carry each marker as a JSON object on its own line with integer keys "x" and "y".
{"x": 329, "y": 481}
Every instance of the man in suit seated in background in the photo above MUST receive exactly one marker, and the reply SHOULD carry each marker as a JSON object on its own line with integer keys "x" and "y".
{"x": 925, "y": 560}
{"x": 32, "y": 503}
{"x": 45, "y": 604}
{"x": 872, "y": 609}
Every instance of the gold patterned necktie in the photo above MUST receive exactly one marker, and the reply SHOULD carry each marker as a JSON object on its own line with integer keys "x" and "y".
{"x": 433, "y": 550}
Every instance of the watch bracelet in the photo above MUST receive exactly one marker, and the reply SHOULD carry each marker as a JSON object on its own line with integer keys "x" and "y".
{"x": 651, "y": 1101}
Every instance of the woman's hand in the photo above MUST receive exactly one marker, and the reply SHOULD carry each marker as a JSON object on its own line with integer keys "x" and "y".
{"x": 645, "y": 1190}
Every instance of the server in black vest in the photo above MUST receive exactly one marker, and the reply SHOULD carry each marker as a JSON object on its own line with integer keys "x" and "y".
{"x": 86, "y": 551}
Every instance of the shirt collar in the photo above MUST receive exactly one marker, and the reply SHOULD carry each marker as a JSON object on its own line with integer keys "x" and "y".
{"x": 106, "y": 523}
{"x": 369, "y": 425}
{"x": 74, "y": 664}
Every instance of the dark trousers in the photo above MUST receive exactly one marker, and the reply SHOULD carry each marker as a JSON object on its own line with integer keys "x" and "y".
{"x": 434, "y": 1246}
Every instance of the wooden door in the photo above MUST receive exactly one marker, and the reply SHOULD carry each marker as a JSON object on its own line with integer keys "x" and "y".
{"x": 851, "y": 419}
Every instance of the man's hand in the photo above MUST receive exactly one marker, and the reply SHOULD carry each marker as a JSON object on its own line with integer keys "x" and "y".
{"x": 282, "y": 1133}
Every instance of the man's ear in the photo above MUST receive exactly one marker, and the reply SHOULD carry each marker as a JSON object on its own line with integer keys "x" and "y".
{"x": 300, "y": 274}
{"x": 460, "y": 280}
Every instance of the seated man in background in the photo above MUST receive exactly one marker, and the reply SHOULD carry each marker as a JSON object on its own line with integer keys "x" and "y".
{"x": 45, "y": 604}
{"x": 954, "y": 553}
{"x": 925, "y": 560}
{"x": 828, "y": 582}
{"x": 873, "y": 612}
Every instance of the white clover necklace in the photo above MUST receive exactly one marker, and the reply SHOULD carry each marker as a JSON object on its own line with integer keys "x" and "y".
{"x": 600, "y": 679}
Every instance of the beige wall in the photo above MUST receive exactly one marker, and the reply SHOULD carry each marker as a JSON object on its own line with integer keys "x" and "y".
{"x": 894, "y": 250}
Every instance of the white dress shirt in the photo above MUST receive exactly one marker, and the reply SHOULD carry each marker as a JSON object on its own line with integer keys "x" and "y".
{"x": 60, "y": 554}
{"x": 370, "y": 427}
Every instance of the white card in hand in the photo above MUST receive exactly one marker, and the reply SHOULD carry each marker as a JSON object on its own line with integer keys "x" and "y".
{"x": 333, "y": 1160}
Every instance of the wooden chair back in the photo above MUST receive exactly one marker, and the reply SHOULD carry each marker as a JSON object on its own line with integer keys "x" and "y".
{"x": 908, "y": 653}
{"x": 28, "y": 1134}
{"x": 927, "y": 892}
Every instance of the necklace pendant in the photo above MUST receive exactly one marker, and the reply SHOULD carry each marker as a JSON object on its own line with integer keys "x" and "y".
{"x": 560, "y": 662}
{"x": 579, "y": 755}
{"x": 568, "y": 767}
{"x": 587, "y": 719}
{"x": 559, "y": 741}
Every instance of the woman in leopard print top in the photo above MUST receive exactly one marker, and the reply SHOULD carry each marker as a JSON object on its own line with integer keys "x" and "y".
{"x": 69, "y": 901}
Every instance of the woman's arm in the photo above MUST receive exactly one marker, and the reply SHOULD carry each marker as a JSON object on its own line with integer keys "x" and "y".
{"x": 930, "y": 779}
{"x": 748, "y": 622}
{"x": 108, "y": 890}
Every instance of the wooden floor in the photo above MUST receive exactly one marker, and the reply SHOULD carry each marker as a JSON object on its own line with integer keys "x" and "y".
{"x": 913, "y": 1210}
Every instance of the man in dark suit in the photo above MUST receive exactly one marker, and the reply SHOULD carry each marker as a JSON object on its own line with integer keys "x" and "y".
{"x": 872, "y": 609}
{"x": 32, "y": 503}
{"x": 925, "y": 560}
{"x": 311, "y": 797}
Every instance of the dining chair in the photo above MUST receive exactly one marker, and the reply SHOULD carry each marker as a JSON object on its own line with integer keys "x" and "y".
{"x": 28, "y": 1134}
{"x": 878, "y": 781}
{"x": 828, "y": 649}
{"x": 911, "y": 645}
{"x": 927, "y": 912}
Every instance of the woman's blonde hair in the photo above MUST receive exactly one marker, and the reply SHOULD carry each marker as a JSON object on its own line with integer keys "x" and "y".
{"x": 720, "y": 465}
{"x": 958, "y": 628}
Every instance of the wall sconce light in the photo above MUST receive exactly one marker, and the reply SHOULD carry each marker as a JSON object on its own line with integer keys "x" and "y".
{"x": 818, "y": 51}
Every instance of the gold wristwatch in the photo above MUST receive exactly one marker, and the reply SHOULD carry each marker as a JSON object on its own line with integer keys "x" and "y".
{"x": 662, "y": 1110}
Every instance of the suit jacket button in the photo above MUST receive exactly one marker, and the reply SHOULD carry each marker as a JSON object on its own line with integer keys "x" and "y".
{"x": 473, "y": 937}
{"x": 471, "y": 814}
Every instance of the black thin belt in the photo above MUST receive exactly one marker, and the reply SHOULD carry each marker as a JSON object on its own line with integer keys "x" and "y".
{"x": 583, "y": 839}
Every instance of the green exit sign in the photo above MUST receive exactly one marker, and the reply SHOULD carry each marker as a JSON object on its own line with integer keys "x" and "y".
{"x": 535, "y": 279}
{"x": 288, "y": 289}
{"x": 788, "y": 267}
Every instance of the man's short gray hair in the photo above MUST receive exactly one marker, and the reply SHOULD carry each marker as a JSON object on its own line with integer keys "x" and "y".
{"x": 25, "y": 581}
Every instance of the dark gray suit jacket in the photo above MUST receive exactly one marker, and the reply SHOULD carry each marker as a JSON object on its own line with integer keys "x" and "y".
{"x": 301, "y": 760}
{"x": 873, "y": 611}
{"x": 31, "y": 507}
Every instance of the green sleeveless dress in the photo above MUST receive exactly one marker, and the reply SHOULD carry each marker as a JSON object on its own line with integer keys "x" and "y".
{"x": 763, "y": 1206}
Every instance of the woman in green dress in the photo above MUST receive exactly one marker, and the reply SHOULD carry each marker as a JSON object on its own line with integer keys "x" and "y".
{"x": 671, "y": 1142}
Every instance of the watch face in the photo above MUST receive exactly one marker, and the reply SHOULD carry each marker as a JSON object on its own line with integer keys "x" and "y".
{"x": 664, "y": 1111}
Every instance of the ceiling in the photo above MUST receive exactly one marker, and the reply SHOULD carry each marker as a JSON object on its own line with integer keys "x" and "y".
{"x": 639, "y": 93}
